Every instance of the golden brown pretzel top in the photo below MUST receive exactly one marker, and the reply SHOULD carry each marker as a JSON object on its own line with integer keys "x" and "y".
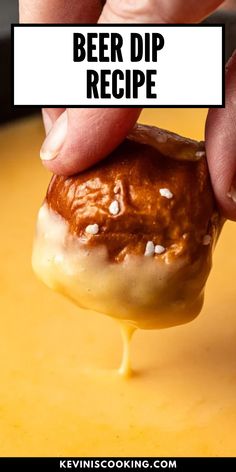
{"x": 147, "y": 162}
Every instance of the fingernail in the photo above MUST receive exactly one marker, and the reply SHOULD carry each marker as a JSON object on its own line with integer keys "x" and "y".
{"x": 232, "y": 192}
{"x": 46, "y": 121}
{"x": 55, "y": 139}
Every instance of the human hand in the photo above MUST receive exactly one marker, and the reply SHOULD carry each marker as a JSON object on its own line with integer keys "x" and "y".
{"x": 77, "y": 138}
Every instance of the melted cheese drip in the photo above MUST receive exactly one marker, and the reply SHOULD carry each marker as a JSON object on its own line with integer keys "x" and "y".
{"x": 127, "y": 332}
{"x": 181, "y": 400}
{"x": 79, "y": 274}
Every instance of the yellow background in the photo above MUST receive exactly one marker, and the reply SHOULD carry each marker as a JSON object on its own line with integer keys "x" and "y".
{"x": 56, "y": 396}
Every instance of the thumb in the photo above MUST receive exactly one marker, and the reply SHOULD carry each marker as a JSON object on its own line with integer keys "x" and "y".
{"x": 157, "y": 11}
{"x": 221, "y": 145}
{"x": 81, "y": 137}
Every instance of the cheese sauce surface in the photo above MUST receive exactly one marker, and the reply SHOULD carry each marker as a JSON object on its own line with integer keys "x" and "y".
{"x": 60, "y": 393}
